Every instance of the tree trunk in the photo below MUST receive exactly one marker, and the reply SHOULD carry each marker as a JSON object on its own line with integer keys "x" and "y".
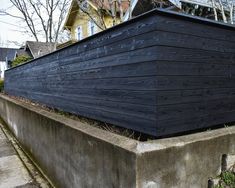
{"x": 214, "y": 9}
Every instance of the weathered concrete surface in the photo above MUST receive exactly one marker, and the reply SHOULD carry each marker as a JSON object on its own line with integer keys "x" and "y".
{"x": 12, "y": 172}
{"x": 16, "y": 169}
{"x": 187, "y": 161}
{"x": 70, "y": 153}
{"x": 74, "y": 154}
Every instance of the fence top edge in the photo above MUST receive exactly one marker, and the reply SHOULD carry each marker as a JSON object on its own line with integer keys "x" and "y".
{"x": 153, "y": 12}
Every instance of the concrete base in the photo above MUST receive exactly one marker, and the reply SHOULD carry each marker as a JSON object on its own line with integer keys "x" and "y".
{"x": 74, "y": 154}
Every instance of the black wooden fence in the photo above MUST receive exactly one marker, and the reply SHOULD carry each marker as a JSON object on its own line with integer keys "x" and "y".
{"x": 160, "y": 73}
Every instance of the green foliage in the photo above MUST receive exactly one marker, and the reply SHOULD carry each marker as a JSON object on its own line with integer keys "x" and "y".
{"x": 228, "y": 178}
{"x": 20, "y": 59}
{"x": 218, "y": 186}
{"x": 1, "y": 85}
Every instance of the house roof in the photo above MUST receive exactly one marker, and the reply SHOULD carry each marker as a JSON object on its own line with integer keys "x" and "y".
{"x": 98, "y": 4}
{"x": 74, "y": 8}
{"x": 8, "y": 53}
{"x": 142, "y": 7}
{"x": 38, "y": 49}
{"x": 147, "y": 5}
{"x": 23, "y": 52}
{"x": 105, "y": 4}
{"x": 65, "y": 44}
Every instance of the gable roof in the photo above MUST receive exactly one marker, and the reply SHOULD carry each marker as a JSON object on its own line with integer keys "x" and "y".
{"x": 38, "y": 49}
{"x": 8, "y": 53}
{"x": 74, "y": 8}
{"x": 23, "y": 52}
{"x": 142, "y": 7}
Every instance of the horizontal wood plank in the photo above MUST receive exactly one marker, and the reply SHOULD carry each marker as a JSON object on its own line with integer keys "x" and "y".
{"x": 159, "y": 74}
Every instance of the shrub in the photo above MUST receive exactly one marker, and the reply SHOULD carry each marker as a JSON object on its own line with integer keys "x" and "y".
{"x": 227, "y": 180}
{"x": 1, "y": 85}
{"x": 20, "y": 59}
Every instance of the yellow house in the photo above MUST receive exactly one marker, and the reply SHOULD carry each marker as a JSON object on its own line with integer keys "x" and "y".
{"x": 89, "y": 17}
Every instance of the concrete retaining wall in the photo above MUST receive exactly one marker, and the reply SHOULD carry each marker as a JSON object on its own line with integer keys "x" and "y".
{"x": 73, "y": 154}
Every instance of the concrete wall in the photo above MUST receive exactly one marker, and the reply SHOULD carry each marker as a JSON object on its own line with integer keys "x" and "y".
{"x": 74, "y": 154}
{"x": 187, "y": 161}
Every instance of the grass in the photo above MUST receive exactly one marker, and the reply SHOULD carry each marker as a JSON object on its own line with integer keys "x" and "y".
{"x": 227, "y": 180}
{"x": 1, "y": 85}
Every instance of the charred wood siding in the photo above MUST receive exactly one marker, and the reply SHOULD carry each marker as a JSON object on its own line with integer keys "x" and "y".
{"x": 161, "y": 73}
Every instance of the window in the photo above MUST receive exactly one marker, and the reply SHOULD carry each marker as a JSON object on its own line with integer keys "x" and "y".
{"x": 92, "y": 28}
{"x": 84, "y": 5}
{"x": 79, "y": 33}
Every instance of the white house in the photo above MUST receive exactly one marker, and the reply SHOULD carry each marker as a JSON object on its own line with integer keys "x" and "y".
{"x": 6, "y": 56}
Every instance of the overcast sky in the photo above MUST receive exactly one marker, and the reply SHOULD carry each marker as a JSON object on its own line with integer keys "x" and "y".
{"x": 9, "y": 28}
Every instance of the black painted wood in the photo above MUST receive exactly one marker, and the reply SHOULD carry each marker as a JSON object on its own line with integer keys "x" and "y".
{"x": 161, "y": 73}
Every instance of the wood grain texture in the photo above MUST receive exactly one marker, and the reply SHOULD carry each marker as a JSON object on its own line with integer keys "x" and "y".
{"x": 160, "y": 74}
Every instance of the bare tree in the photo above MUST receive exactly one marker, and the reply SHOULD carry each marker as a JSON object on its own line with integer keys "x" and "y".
{"x": 214, "y": 9}
{"x": 225, "y": 8}
{"x": 43, "y": 18}
{"x": 221, "y": 7}
{"x": 112, "y": 8}
{"x": 231, "y": 6}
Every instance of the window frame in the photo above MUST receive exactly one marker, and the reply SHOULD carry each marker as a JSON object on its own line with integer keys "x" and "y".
{"x": 91, "y": 24}
{"x": 79, "y": 34}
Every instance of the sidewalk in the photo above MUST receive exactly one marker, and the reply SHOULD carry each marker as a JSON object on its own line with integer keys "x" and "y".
{"x": 14, "y": 172}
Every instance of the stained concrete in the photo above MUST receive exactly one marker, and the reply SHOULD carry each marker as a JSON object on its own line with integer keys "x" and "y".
{"x": 74, "y": 154}
{"x": 16, "y": 169}
{"x": 12, "y": 172}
